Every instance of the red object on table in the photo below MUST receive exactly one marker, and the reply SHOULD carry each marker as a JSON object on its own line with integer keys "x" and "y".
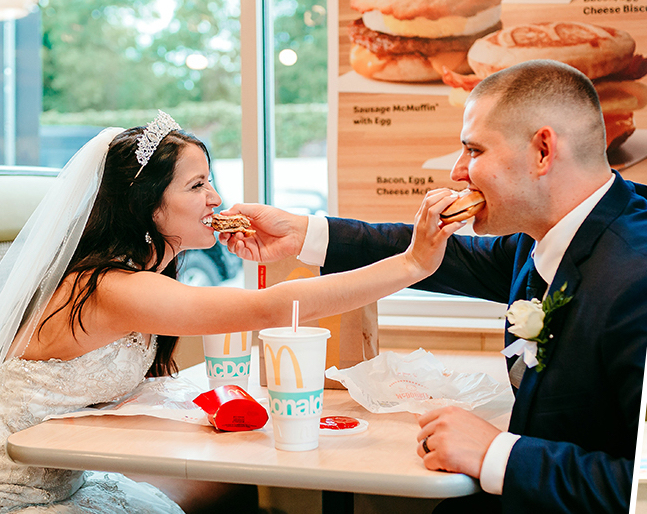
{"x": 232, "y": 409}
{"x": 338, "y": 422}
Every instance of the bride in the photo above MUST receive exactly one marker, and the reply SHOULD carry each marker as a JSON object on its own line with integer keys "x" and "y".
{"x": 91, "y": 279}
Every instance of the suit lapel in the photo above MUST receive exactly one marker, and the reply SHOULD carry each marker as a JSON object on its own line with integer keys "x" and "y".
{"x": 569, "y": 274}
{"x": 518, "y": 292}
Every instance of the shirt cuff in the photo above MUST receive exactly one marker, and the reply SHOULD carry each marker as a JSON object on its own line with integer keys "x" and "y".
{"x": 315, "y": 244}
{"x": 495, "y": 462}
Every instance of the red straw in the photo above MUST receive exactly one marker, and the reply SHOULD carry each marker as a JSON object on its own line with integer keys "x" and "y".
{"x": 295, "y": 315}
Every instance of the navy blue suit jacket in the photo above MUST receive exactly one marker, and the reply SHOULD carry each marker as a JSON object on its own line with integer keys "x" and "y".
{"x": 579, "y": 416}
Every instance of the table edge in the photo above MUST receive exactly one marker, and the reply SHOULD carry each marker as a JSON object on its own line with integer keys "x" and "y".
{"x": 434, "y": 485}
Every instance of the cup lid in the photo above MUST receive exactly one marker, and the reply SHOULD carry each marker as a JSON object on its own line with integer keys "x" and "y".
{"x": 301, "y": 332}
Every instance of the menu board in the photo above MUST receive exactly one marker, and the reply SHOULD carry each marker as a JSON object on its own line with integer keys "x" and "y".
{"x": 396, "y": 139}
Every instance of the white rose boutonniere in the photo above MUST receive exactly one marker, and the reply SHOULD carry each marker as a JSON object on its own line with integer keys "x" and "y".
{"x": 529, "y": 320}
{"x": 526, "y": 318}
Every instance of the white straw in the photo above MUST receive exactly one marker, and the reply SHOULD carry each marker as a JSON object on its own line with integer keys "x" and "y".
{"x": 295, "y": 315}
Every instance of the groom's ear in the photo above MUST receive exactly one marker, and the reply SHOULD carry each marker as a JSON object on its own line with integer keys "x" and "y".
{"x": 543, "y": 146}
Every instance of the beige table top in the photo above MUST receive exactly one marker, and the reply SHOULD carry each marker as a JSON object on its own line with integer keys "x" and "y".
{"x": 381, "y": 460}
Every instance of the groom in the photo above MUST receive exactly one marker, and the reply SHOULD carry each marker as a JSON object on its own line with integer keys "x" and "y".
{"x": 534, "y": 145}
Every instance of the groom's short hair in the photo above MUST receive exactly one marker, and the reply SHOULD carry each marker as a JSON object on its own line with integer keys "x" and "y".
{"x": 536, "y": 93}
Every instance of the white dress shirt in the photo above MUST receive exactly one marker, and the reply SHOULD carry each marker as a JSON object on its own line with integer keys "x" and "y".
{"x": 548, "y": 253}
{"x": 315, "y": 244}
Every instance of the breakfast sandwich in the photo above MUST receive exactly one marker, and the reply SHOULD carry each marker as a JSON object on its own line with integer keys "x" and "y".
{"x": 468, "y": 203}
{"x": 232, "y": 224}
{"x": 413, "y": 40}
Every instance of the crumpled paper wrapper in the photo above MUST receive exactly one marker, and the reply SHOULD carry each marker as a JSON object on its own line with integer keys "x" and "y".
{"x": 161, "y": 397}
{"x": 415, "y": 383}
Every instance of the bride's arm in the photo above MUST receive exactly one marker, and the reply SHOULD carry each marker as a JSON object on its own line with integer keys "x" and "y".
{"x": 151, "y": 303}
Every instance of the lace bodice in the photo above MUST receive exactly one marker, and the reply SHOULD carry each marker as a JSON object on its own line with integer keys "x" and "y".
{"x": 32, "y": 390}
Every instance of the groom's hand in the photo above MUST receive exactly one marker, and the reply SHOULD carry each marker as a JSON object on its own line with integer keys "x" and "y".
{"x": 279, "y": 234}
{"x": 457, "y": 440}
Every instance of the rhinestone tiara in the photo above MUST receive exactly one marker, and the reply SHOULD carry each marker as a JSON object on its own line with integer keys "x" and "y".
{"x": 154, "y": 132}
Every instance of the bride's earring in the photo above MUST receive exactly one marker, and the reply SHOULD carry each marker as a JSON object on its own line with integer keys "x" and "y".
{"x": 148, "y": 238}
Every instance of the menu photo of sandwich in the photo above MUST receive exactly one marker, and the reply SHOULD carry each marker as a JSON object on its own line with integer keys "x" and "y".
{"x": 406, "y": 67}
{"x": 409, "y": 42}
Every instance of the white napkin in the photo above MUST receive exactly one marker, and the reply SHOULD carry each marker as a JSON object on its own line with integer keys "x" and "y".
{"x": 162, "y": 397}
{"x": 416, "y": 383}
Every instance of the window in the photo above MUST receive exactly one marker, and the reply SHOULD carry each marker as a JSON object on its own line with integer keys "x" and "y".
{"x": 286, "y": 70}
{"x": 75, "y": 67}
{"x": 297, "y": 63}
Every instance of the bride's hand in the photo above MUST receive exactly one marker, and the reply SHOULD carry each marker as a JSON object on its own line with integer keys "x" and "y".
{"x": 429, "y": 241}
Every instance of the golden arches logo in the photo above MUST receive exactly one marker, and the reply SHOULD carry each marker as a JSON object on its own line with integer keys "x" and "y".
{"x": 276, "y": 364}
{"x": 243, "y": 338}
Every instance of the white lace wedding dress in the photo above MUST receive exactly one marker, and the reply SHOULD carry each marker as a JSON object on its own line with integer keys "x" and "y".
{"x": 32, "y": 390}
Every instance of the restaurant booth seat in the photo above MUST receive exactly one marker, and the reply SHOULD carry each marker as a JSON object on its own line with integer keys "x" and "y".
{"x": 19, "y": 197}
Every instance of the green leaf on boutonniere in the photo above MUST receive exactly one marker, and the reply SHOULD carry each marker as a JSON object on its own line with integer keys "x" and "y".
{"x": 549, "y": 306}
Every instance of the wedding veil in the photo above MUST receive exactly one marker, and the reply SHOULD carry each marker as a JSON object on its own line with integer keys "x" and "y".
{"x": 34, "y": 264}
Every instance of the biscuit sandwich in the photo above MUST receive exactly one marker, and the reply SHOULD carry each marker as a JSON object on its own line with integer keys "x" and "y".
{"x": 232, "y": 224}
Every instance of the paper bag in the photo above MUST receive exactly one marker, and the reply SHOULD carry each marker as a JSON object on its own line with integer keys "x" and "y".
{"x": 353, "y": 335}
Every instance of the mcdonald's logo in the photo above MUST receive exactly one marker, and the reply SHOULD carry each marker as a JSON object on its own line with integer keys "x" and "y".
{"x": 276, "y": 364}
{"x": 228, "y": 367}
{"x": 227, "y": 347}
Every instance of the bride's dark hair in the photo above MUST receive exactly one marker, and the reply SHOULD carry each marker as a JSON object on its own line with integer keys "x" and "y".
{"x": 114, "y": 236}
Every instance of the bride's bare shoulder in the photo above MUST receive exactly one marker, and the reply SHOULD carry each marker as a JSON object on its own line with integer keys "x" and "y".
{"x": 55, "y": 338}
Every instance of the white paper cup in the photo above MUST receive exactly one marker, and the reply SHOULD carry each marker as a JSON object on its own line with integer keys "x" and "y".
{"x": 228, "y": 358}
{"x": 295, "y": 363}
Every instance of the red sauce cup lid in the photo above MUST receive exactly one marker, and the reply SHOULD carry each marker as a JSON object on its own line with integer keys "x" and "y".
{"x": 338, "y": 422}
